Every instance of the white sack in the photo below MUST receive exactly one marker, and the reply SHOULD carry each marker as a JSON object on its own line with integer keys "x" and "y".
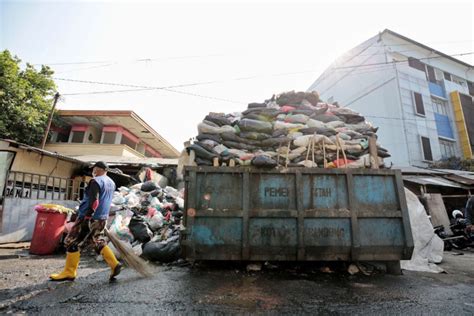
{"x": 428, "y": 246}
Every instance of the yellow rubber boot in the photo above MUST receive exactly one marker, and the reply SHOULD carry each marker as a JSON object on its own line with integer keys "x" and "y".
{"x": 70, "y": 269}
{"x": 114, "y": 264}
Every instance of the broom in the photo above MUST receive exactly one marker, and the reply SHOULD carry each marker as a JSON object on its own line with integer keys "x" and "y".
{"x": 130, "y": 258}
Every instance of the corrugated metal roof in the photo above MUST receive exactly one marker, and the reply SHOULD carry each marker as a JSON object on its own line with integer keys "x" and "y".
{"x": 429, "y": 180}
{"x": 41, "y": 151}
{"x": 417, "y": 170}
{"x": 118, "y": 160}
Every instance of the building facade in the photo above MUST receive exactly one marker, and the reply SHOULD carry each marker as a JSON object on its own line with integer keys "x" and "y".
{"x": 107, "y": 133}
{"x": 421, "y": 99}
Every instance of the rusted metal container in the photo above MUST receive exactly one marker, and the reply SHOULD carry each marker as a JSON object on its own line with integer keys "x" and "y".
{"x": 297, "y": 214}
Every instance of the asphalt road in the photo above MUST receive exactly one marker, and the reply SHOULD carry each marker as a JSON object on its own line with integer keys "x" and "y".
{"x": 229, "y": 288}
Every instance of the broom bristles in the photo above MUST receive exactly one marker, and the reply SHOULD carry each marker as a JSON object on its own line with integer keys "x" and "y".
{"x": 130, "y": 258}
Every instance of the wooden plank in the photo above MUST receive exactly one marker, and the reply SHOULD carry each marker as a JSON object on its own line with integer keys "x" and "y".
{"x": 435, "y": 207}
{"x": 374, "y": 160}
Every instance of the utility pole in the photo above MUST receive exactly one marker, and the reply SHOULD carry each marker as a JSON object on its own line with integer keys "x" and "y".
{"x": 46, "y": 132}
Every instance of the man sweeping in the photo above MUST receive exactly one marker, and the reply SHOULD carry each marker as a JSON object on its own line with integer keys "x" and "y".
{"x": 90, "y": 224}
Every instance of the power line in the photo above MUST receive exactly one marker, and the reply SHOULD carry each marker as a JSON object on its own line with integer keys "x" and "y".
{"x": 196, "y": 56}
{"x": 144, "y": 88}
{"x": 169, "y": 89}
{"x": 400, "y": 61}
{"x": 127, "y": 61}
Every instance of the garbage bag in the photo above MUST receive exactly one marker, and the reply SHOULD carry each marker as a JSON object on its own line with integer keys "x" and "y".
{"x": 287, "y": 108}
{"x": 219, "y": 120}
{"x": 287, "y": 126}
{"x": 262, "y": 111}
{"x": 221, "y": 149}
{"x": 249, "y": 125}
{"x": 325, "y": 118}
{"x": 236, "y": 145}
{"x": 203, "y": 162}
{"x": 209, "y": 143}
{"x": 132, "y": 200}
{"x": 156, "y": 221}
{"x": 140, "y": 229}
{"x": 205, "y": 146}
{"x": 254, "y": 135}
{"x": 204, "y": 128}
{"x": 256, "y": 105}
{"x": 258, "y": 117}
{"x": 335, "y": 124}
{"x": 165, "y": 252}
{"x": 210, "y": 123}
{"x": 202, "y": 152}
{"x": 264, "y": 161}
{"x": 236, "y": 138}
{"x": 279, "y": 132}
{"x": 321, "y": 131}
{"x": 293, "y": 97}
{"x": 315, "y": 123}
{"x": 308, "y": 164}
{"x": 118, "y": 199}
{"x": 213, "y": 137}
{"x": 120, "y": 228}
{"x": 149, "y": 186}
{"x": 305, "y": 140}
{"x": 296, "y": 118}
{"x": 277, "y": 141}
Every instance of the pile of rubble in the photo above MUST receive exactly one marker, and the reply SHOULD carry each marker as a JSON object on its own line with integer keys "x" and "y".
{"x": 148, "y": 218}
{"x": 292, "y": 129}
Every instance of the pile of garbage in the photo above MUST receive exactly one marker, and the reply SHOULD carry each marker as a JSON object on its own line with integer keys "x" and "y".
{"x": 148, "y": 219}
{"x": 291, "y": 129}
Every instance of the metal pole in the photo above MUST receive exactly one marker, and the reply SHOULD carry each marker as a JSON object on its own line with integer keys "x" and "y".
{"x": 46, "y": 132}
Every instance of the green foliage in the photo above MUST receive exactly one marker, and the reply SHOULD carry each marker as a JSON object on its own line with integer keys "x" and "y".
{"x": 454, "y": 163}
{"x": 25, "y": 100}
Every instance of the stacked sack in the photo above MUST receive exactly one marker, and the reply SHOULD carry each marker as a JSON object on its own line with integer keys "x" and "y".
{"x": 291, "y": 129}
{"x": 148, "y": 218}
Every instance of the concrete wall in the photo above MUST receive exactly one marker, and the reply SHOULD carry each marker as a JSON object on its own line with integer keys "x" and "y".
{"x": 19, "y": 218}
{"x": 93, "y": 149}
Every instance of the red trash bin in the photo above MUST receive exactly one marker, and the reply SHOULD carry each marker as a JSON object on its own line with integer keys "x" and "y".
{"x": 49, "y": 227}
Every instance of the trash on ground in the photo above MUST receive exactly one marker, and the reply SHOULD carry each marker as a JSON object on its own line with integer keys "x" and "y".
{"x": 148, "y": 220}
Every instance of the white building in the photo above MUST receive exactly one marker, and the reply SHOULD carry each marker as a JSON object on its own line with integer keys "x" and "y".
{"x": 419, "y": 97}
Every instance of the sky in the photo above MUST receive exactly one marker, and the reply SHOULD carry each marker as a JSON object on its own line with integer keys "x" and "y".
{"x": 209, "y": 56}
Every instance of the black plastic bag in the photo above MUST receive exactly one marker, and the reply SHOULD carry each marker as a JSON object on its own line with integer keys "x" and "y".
{"x": 149, "y": 186}
{"x": 264, "y": 161}
{"x": 254, "y": 105}
{"x": 201, "y": 152}
{"x": 213, "y": 137}
{"x": 140, "y": 229}
{"x": 167, "y": 251}
{"x": 249, "y": 125}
